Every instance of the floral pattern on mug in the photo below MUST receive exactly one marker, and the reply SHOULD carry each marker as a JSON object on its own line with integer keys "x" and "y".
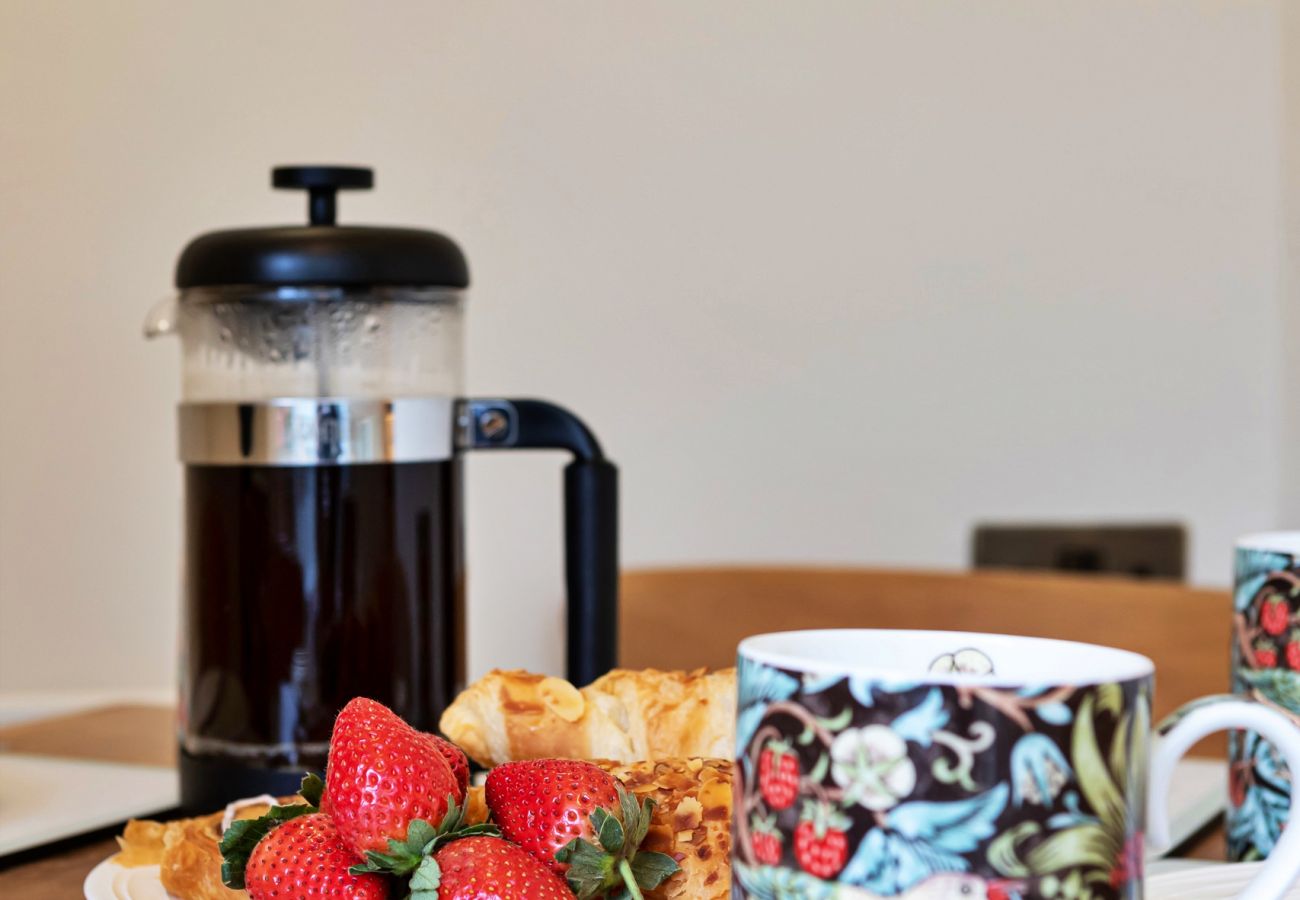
{"x": 915, "y": 791}
{"x": 1265, "y": 666}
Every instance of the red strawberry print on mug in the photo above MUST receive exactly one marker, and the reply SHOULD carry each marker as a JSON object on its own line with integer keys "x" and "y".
{"x": 820, "y": 842}
{"x": 1293, "y": 652}
{"x": 765, "y": 838}
{"x": 1265, "y": 655}
{"x": 1275, "y": 615}
{"x": 778, "y": 775}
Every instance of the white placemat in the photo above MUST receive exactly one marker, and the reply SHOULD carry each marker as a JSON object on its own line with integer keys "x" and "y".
{"x": 43, "y": 799}
{"x": 1197, "y": 794}
{"x": 1204, "y": 881}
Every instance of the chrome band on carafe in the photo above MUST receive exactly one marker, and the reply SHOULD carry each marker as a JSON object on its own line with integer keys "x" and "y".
{"x": 316, "y": 431}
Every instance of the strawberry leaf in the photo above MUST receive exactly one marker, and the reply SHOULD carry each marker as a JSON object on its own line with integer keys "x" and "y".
{"x": 614, "y": 868}
{"x": 312, "y": 788}
{"x": 638, "y": 826}
{"x": 426, "y": 880}
{"x": 420, "y": 833}
{"x": 591, "y": 869}
{"x": 653, "y": 869}
{"x": 244, "y": 834}
{"x": 632, "y": 822}
{"x": 422, "y": 839}
{"x": 609, "y": 830}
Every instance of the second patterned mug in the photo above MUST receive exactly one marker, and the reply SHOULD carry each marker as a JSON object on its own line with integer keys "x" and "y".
{"x": 929, "y": 765}
{"x": 1265, "y": 667}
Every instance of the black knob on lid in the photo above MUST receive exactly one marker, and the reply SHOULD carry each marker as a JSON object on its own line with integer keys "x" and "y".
{"x": 322, "y": 253}
{"x": 322, "y": 183}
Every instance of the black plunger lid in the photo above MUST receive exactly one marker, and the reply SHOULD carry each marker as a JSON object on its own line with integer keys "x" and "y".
{"x": 322, "y": 253}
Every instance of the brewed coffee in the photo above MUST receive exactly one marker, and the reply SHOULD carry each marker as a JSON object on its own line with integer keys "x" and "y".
{"x": 308, "y": 586}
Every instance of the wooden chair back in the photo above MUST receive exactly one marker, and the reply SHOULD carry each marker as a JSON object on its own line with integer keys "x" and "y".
{"x": 689, "y": 617}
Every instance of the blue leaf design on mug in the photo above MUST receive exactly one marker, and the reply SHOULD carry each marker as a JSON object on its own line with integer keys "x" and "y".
{"x": 815, "y": 684}
{"x": 1279, "y": 686}
{"x": 1054, "y": 713}
{"x": 956, "y": 826}
{"x": 771, "y": 883}
{"x": 758, "y": 685}
{"x": 1039, "y": 770}
{"x": 1259, "y": 819}
{"x": 921, "y": 722}
{"x": 888, "y": 864}
{"x": 922, "y": 838}
{"x": 1253, "y": 568}
{"x": 774, "y": 883}
{"x": 1265, "y": 803}
{"x": 1073, "y": 815}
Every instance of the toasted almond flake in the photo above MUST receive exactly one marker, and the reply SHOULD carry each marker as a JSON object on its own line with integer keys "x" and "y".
{"x": 688, "y": 814}
{"x": 563, "y": 699}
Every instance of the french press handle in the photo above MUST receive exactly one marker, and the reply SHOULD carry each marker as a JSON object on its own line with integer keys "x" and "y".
{"x": 590, "y": 517}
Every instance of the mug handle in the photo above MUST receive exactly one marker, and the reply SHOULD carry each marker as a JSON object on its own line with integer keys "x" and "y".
{"x": 1203, "y": 717}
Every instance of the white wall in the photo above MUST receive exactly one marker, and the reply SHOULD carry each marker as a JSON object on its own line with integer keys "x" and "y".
{"x": 832, "y": 280}
{"x": 1290, "y": 275}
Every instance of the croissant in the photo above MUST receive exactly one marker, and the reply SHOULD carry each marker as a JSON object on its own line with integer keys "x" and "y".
{"x": 623, "y": 716}
{"x": 186, "y": 852}
{"x": 691, "y": 820}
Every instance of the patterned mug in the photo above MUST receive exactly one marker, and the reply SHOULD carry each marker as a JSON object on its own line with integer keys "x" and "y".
{"x": 929, "y": 765}
{"x": 1265, "y": 667}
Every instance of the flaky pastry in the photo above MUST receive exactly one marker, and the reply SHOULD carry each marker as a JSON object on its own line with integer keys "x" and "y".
{"x": 624, "y": 716}
{"x": 186, "y": 852}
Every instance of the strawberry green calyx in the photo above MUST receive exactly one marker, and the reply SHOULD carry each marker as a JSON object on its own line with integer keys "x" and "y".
{"x": 414, "y": 855}
{"x": 615, "y": 868}
{"x": 313, "y": 786}
{"x": 244, "y": 834}
{"x": 426, "y": 880}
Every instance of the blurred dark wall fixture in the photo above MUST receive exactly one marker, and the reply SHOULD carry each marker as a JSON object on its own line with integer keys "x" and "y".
{"x": 1157, "y": 550}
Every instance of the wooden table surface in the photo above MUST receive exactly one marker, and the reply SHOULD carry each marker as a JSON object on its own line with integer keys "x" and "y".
{"x": 144, "y": 734}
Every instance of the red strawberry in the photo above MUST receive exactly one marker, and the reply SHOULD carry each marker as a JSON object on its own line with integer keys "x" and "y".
{"x": 543, "y": 804}
{"x": 1265, "y": 656}
{"x": 576, "y": 820}
{"x": 765, "y": 838}
{"x": 820, "y": 843}
{"x": 488, "y": 868}
{"x": 305, "y": 857}
{"x": 1274, "y": 615}
{"x": 458, "y": 762}
{"x": 778, "y": 775}
{"x": 381, "y": 775}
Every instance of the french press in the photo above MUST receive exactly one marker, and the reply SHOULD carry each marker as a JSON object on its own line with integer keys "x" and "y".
{"x": 321, "y": 428}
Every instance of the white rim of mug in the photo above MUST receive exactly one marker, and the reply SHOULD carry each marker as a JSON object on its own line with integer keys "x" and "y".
{"x": 1125, "y": 665}
{"x": 1285, "y": 542}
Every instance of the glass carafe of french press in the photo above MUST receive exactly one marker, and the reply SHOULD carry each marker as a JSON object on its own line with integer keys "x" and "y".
{"x": 321, "y": 426}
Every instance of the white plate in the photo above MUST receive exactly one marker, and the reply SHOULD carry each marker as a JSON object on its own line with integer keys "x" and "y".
{"x": 109, "y": 881}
